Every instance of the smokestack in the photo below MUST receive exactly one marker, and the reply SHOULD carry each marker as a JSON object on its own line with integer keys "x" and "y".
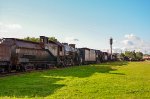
{"x": 72, "y": 45}
{"x": 65, "y": 43}
{"x": 43, "y": 39}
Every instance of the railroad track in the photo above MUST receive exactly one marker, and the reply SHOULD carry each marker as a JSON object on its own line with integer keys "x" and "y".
{"x": 29, "y": 71}
{"x": 11, "y": 74}
{"x": 19, "y": 73}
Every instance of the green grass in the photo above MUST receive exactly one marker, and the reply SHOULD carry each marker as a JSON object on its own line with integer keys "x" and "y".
{"x": 117, "y": 80}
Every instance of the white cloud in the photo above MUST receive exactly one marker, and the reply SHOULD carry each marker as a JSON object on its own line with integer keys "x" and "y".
{"x": 132, "y": 42}
{"x": 10, "y": 30}
{"x": 131, "y": 36}
{"x": 13, "y": 26}
{"x": 71, "y": 39}
{"x": 127, "y": 42}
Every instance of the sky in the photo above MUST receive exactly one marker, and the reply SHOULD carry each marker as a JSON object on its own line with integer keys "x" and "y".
{"x": 87, "y": 23}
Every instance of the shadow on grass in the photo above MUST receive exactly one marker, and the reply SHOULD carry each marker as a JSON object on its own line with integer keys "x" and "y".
{"x": 87, "y": 70}
{"x": 119, "y": 63}
{"x": 42, "y": 84}
{"x": 29, "y": 86}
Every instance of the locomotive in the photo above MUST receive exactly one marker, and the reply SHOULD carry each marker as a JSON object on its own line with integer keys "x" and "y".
{"x": 19, "y": 54}
{"x": 22, "y": 55}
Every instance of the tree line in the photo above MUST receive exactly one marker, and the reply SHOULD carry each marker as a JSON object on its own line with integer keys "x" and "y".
{"x": 131, "y": 55}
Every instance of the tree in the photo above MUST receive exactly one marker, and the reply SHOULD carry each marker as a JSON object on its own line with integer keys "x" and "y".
{"x": 131, "y": 55}
{"x": 139, "y": 55}
{"x": 134, "y": 56}
{"x": 53, "y": 39}
{"x": 33, "y": 39}
{"x": 122, "y": 56}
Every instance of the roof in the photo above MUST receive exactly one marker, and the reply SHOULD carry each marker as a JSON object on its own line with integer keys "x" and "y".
{"x": 57, "y": 43}
{"x": 22, "y": 40}
{"x": 23, "y": 43}
{"x": 85, "y": 48}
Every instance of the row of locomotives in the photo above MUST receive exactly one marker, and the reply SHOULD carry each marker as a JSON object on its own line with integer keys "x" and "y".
{"x": 71, "y": 55}
{"x": 87, "y": 56}
{"x": 22, "y": 55}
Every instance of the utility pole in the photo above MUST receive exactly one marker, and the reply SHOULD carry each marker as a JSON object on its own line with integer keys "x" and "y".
{"x": 111, "y": 42}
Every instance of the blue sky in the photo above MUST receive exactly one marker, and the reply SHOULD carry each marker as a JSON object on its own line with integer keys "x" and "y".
{"x": 92, "y": 22}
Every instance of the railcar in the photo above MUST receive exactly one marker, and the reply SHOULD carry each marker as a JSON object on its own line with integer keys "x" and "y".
{"x": 114, "y": 57}
{"x": 105, "y": 57}
{"x": 99, "y": 56}
{"x": 87, "y": 56}
{"x": 71, "y": 56}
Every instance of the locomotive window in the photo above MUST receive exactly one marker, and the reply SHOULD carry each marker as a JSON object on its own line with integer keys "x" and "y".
{"x": 47, "y": 40}
{"x": 42, "y": 40}
{"x": 60, "y": 48}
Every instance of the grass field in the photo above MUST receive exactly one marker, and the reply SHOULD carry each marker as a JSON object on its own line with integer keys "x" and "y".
{"x": 117, "y": 80}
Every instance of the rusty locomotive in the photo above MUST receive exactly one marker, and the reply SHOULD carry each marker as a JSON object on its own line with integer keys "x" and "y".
{"x": 22, "y": 55}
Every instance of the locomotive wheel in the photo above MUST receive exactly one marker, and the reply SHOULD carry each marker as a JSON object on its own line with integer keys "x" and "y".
{"x": 18, "y": 68}
{"x": 43, "y": 66}
{"x": 80, "y": 61}
{"x": 72, "y": 62}
{"x": 64, "y": 64}
{"x": 59, "y": 63}
{"x": 47, "y": 66}
{"x": 23, "y": 68}
{"x": 9, "y": 68}
{"x": 6, "y": 69}
{"x": 36, "y": 66}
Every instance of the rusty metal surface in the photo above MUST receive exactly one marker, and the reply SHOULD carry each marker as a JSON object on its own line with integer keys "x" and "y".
{"x": 53, "y": 48}
{"x": 20, "y": 43}
{"x": 92, "y": 55}
{"x": 6, "y": 42}
{"x": 31, "y": 53}
{"x": 89, "y": 54}
{"x": 4, "y": 53}
{"x": 16, "y": 49}
{"x": 60, "y": 48}
{"x": 69, "y": 49}
{"x": 26, "y": 44}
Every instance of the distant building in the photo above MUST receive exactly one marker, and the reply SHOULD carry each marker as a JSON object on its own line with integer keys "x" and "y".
{"x": 146, "y": 57}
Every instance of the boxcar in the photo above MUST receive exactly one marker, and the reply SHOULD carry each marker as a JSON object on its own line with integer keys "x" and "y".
{"x": 87, "y": 55}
